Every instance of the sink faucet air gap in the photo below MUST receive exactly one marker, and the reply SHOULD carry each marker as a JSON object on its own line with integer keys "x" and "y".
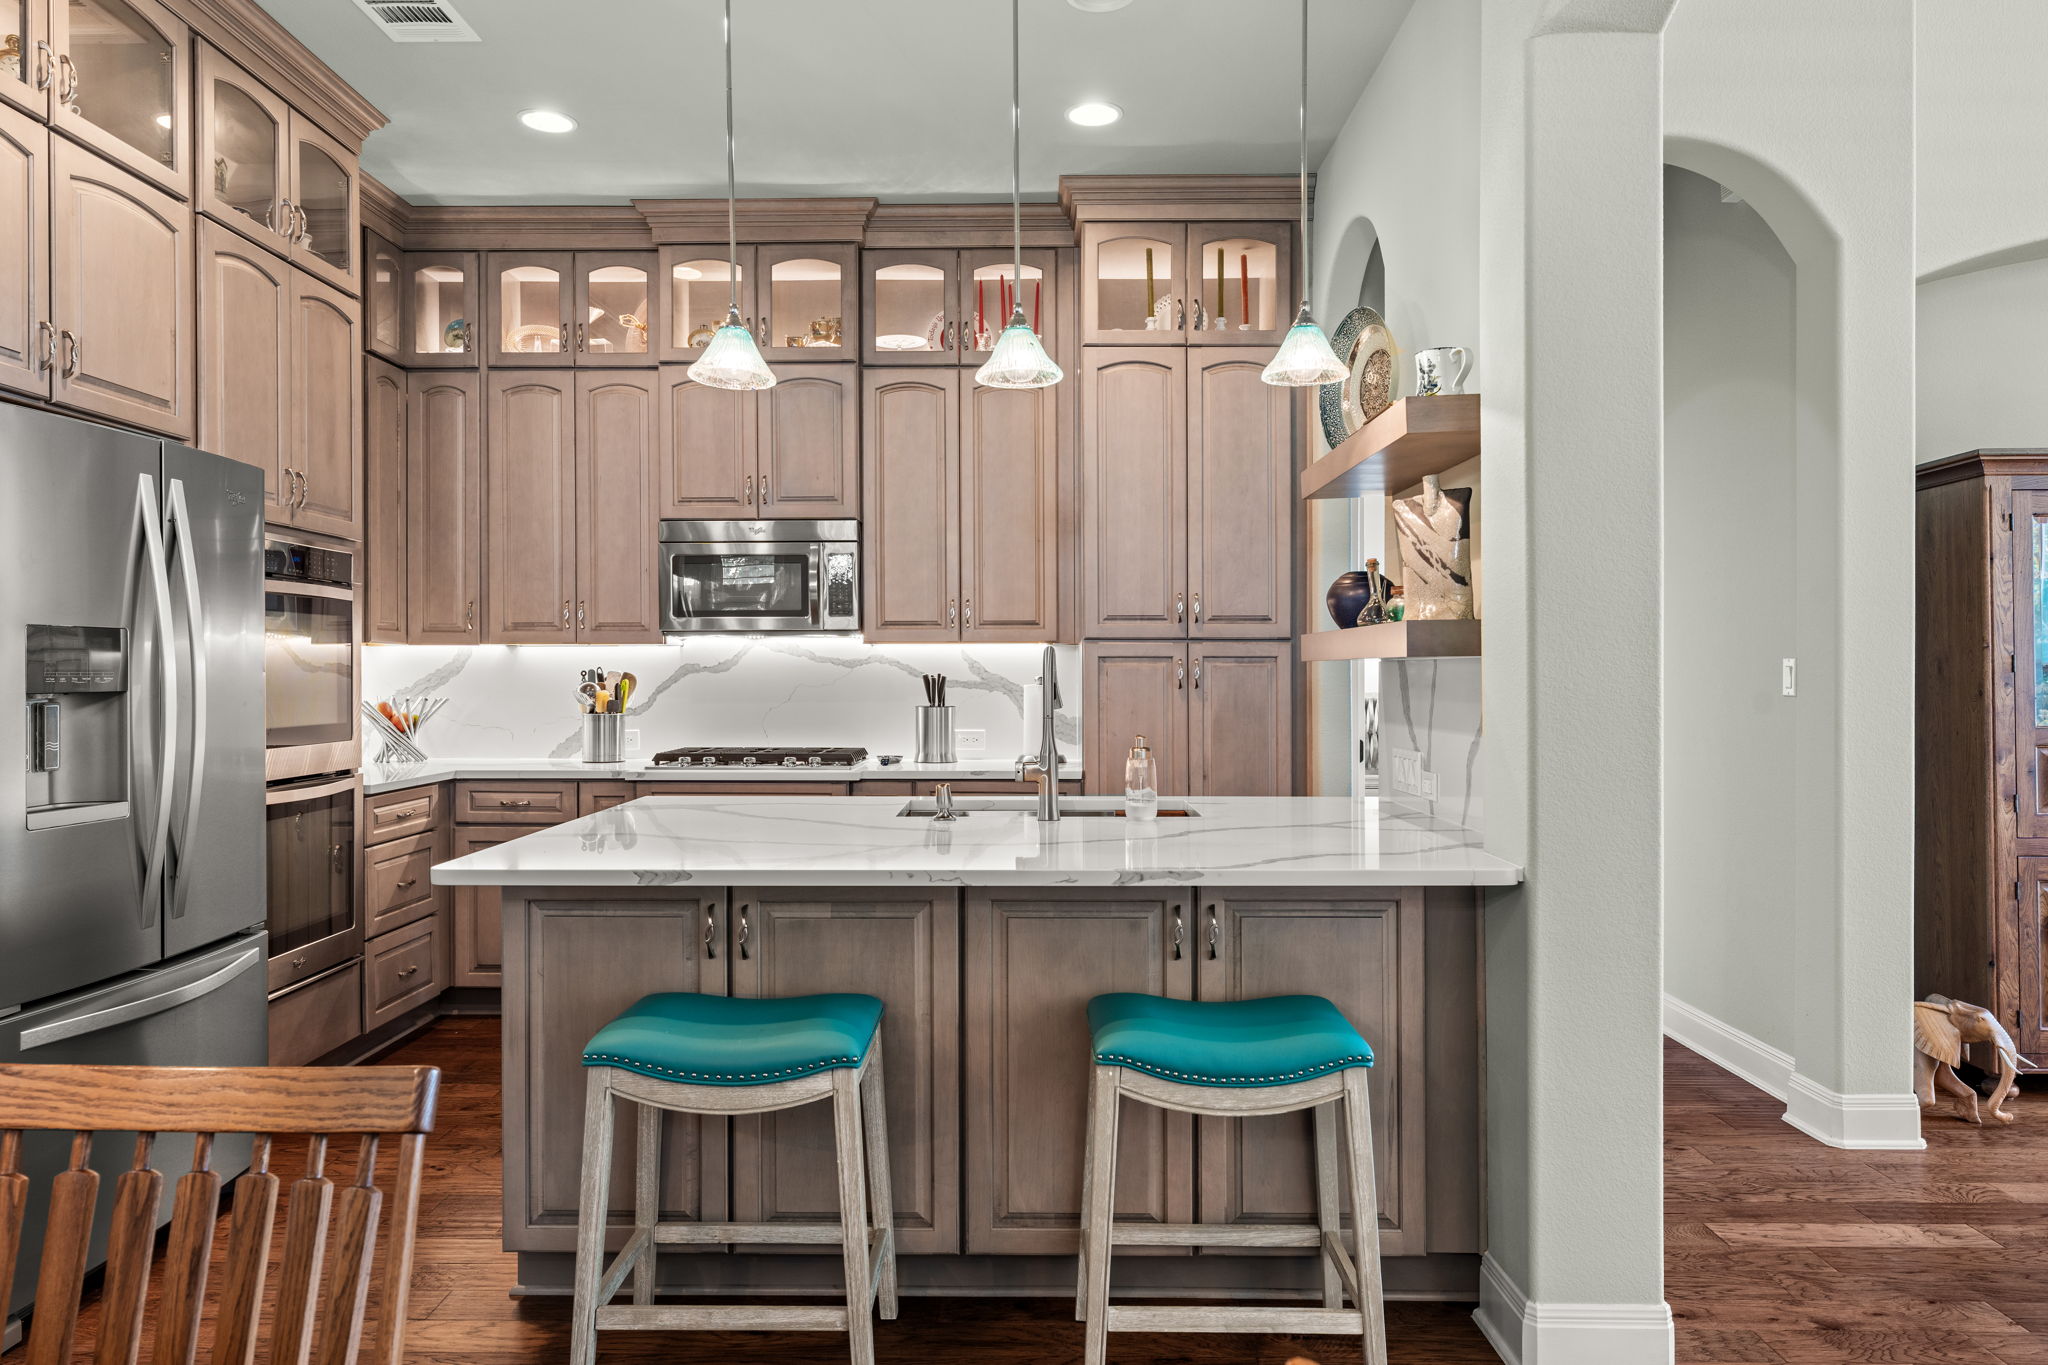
{"x": 1044, "y": 766}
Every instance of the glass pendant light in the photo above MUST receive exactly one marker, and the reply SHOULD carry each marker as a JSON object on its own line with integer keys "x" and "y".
{"x": 1018, "y": 360}
{"x": 1305, "y": 357}
{"x": 731, "y": 360}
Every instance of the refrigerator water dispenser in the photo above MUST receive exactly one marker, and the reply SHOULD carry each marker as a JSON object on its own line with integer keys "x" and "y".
{"x": 76, "y": 690}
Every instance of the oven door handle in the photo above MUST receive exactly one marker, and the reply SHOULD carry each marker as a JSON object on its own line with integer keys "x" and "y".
{"x": 294, "y": 588}
{"x": 128, "y": 1011}
{"x": 284, "y": 794}
{"x": 817, "y": 593}
{"x": 180, "y": 518}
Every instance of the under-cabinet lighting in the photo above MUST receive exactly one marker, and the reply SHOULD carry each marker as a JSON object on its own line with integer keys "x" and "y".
{"x": 1094, "y": 114}
{"x": 547, "y": 121}
{"x": 163, "y": 120}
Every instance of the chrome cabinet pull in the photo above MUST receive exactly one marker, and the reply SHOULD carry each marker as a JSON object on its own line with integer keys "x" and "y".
{"x": 515, "y": 805}
{"x": 302, "y": 226}
{"x": 46, "y": 347}
{"x": 303, "y": 489}
{"x": 68, "y": 93}
{"x": 283, "y": 227}
{"x": 746, "y": 930}
{"x": 469, "y": 615}
{"x": 565, "y": 612}
{"x": 70, "y": 344}
{"x": 1180, "y": 674}
{"x": 1180, "y": 607}
{"x": 952, "y": 612}
{"x": 565, "y": 336}
{"x": 1197, "y": 603}
{"x": 764, "y": 490}
{"x": 1198, "y": 675}
{"x": 579, "y": 615}
{"x": 1180, "y": 314}
{"x": 969, "y": 622}
{"x": 468, "y": 337}
{"x": 1215, "y": 932}
{"x": 1179, "y": 933}
{"x": 44, "y": 57}
{"x": 750, "y": 490}
{"x": 409, "y": 881}
{"x": 582, "y": 337}
{"x": 404, "y": 972}
{"x": 710, "y": 932}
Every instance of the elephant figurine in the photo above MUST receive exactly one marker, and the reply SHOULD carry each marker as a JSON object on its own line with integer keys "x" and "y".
{"x": 1940, "y": 1028}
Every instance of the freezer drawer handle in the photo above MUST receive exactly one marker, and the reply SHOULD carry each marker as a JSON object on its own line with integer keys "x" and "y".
{"x": 79, "y": 1025}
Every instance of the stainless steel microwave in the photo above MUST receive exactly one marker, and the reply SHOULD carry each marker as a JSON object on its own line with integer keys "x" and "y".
{"x": 753, "y": 576}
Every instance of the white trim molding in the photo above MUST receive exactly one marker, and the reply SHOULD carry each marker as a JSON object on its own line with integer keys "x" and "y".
{"x": 1525, "y": 1333}
{"x": 1767, "y": 1068}
{"x": 1880, "y": 1122}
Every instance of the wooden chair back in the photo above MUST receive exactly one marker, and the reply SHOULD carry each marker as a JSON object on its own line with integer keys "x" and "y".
{"x": 318, "y": 1318}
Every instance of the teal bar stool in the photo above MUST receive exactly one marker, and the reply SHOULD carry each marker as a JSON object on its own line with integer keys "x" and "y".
{"x": 1234, "y": 1059}
{"x": 710, "y": 1054}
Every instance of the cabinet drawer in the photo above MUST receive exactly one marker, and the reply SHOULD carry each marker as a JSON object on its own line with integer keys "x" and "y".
{"x": 310, "y": 1021}
{"x": 398, "y": 886}
{"x": 514, "y": 803}
{"x": 394, "y": 815}
{"x": 593, "y": 797}
{"x": 402, "y": 970}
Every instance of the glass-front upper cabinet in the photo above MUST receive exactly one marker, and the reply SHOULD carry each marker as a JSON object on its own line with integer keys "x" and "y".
{"x": 1133, "y": 287}
{"x": 440, "y": 308}
{"x": 122, "y": 85}
{"x": 910, "y": 307}
{"x": 1240, "y": 283}
{"x": 526, "y": 296}
{"x": 324, "y": 205}
{"x": 695, "y": 284}
{"x": 382, "y": 269}
{"x": 242, "y": 142}
{"x": 26, "y": 63}
{"x": 806, "y": 301}
{"x": 988, "y": 280}
{"x": 614, "y": 315}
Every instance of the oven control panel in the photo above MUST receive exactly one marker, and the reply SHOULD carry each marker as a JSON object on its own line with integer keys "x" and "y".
{"x": 308, "y": 564}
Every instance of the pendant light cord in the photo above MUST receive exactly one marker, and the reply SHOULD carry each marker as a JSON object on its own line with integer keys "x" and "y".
{"x": 732, "y": 217}
{"x": 1307, "y": 256}
{"x": 1016, "y": 159}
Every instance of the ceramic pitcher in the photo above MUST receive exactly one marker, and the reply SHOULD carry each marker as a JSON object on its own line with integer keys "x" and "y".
{"x": 1442, "y": 369}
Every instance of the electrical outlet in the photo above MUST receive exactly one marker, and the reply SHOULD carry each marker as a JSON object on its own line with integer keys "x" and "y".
{"x": 970, "y": 741}
{"x": 1788, "y": 677}
{"x": 1428, "y": 785}
{"x": 1403, "y": 771}
{"x": 632, "y": 741}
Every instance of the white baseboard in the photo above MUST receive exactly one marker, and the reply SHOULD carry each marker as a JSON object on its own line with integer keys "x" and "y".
{"x": 1884, "y": 1123}
{"x": 1767, "y": 1068}
{"x": 1525, "y": 1333}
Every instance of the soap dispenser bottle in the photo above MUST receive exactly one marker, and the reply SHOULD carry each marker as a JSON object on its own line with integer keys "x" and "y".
{"x": 1141, "y": 783}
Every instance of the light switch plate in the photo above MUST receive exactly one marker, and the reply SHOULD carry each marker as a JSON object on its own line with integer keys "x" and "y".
{"x": 1428, "y": 785}
{"x": 1788, "y": 677}
{"x": 970, "y": 741}
{"x": 1403, "y": 771}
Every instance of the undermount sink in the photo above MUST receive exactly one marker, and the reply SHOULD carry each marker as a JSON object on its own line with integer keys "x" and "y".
{"x": 1084, "y": 806}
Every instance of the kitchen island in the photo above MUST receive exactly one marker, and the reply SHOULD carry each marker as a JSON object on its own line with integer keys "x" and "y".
{"x": 985, "y": 937}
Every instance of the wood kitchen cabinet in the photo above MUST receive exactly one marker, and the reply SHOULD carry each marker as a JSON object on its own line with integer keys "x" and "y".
{"x": 1034, "y": 958}
{"x": 903, "y": 948}
{"x": 26, "y": 336}
{"x": 386, "y": 539}
{"x": 122, "y": 85}
{"x": 941, "y": 306}
{"x": 479, "y": 939}
{"x": 383, "y": 298}
{"x": 1363, "y": 951}
{"x": 121, "y": 285}
{"x": 1188, "y": 465}
{"x": 25, "y": 83}
{"x": 281, "y": 363}
{"x": 438, "y": 303}
{"x": 444, "y": 507}
{"x": 559, "y": 308}
{"x": 788, "y": 451}
{"x": 568, "y": 485}
{"x": 1174, "y": 266}
{"x": 961, "y": 531}
{"x": 1218, "y": 715}
{"x": 656, "y": 943}
{"x": 801, "y": 301}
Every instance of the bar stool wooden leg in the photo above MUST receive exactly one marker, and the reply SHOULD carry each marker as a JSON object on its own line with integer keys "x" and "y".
{"x": 1328, "y": 1191}
{"x": 853, "y": 1214}
{"x": 1081, "y": 1226}
{"x": 1101, "y": 1159}
{"x": 646, "y": 1199}
{"x": 875, "y": 1111}
{"x": 593, "y": 1200}
{"x": 1365, "y": 1216}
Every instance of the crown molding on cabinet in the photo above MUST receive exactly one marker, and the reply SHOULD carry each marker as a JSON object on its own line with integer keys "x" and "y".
{"x": 1211, "y": 198}
{"x": 500, "y": 227}
{"x": 702, "y": 221}
{"x": 967, "y": 225}
{"x": 383, "y": 212}
{"x": 242, "y": 30}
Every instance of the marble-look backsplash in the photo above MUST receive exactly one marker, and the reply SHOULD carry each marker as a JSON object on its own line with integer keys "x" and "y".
{"x": 516, "y": 701}
{"x": 1431, "y": 708}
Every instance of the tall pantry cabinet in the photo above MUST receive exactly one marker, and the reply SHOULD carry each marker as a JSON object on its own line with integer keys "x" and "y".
{"x": 1187, "y": 490}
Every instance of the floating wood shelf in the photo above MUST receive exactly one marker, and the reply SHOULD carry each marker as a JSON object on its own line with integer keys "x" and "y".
{"x": 1395, "y": 450}
{"x": 1394, "y": 640}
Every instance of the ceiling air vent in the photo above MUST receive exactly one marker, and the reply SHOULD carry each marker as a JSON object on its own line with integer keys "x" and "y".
{"x": 419, "y": 21}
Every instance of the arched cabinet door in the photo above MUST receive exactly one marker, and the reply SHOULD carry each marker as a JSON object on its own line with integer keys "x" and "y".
{"x": 808, "y": 464}
{"x": 910, "y": 530}
{"x": 244, "y": 133}
{"x": 121, "y": 83}
{"x": 25, "y": 361}
{"x": 1134, "y": 471}
{"x": 530, "y": 507}
{"x": 444, "y": 507}
{"x": 327, "y": 418}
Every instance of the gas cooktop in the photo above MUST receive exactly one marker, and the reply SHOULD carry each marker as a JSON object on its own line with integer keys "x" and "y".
{"x": 774, "y": 756}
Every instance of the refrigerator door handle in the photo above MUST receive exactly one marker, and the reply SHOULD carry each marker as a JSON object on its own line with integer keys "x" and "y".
{"x": 128, "y": 1011}
{"x": 165, "y": 685}
{"x": 180, "y": 517}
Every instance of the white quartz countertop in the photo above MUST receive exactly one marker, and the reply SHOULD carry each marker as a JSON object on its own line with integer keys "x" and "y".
{"x": 863, "y": 841}
{"x": 386, "y": 777}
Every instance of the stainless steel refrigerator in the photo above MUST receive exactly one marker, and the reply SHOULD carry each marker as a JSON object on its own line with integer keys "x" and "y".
{"x": 131, "y": 821}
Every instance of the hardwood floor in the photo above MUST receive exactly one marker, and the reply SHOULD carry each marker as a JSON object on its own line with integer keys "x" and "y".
{"x": 1778, "y": 1251}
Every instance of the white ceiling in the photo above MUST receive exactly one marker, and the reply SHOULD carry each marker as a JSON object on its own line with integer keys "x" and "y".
{"x": 903, "y": 99}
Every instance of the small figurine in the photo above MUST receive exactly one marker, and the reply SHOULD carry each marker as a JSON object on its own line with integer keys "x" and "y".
{"x": 1940, "y": 1028}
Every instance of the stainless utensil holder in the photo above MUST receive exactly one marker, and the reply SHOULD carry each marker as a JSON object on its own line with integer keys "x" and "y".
{"x": 935, "y": 734}
{"x": 604, "y": 737}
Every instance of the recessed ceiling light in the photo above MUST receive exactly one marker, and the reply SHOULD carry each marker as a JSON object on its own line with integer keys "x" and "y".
{"x": 547, "y": 121}
{"x": 1094, "y": 114}
{"x": 1098, "y": 6}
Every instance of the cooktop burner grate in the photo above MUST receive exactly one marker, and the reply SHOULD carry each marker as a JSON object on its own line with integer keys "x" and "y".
{"x": 771, "y": 756}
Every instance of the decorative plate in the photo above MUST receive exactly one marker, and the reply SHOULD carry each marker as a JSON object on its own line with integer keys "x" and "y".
{"x": 935, "y": 332}
{"x": 701, "y": 336}
{"x": 1367, "y": 349}
{"x": 899, "y": 341}
{"x": 535, "y": 338}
